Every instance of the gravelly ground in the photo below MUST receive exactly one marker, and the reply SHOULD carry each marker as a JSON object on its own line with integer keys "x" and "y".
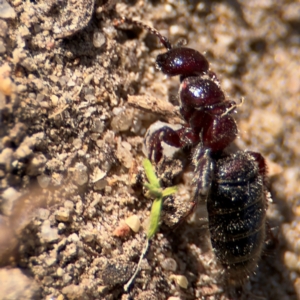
{"x": 71, "y": 146}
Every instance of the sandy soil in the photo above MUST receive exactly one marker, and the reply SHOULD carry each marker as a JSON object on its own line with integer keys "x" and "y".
{"x": 73, "y": 117}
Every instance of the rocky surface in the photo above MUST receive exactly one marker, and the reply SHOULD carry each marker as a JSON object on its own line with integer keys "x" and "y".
{"x": 73, "y": 116}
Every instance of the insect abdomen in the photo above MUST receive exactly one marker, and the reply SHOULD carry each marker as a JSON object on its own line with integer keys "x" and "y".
{"x": 237, "y": 211}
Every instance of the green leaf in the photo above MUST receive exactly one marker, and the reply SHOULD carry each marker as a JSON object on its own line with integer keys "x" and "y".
{"x": 154, "y": 217}
{"x": 150, "y": 173}
{"x": 155, "y": 190}
{"x": 169, "y": 191}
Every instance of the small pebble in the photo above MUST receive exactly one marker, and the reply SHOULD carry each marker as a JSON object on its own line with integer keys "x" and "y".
{"x": 73, "y": 238}
{"x": 291, "y": 12}
{"x": 48, "y": 234}
{"x": 122, "y": 121}
{"x": 98, "y": 39}
{"x": 88, "y": 79}
{"x": 16, "y": 285}
{"x": 180, "y": 280}
{"x": 24, "y": 31}
{"x": 98, "y": 174}
{"x": 43, "y": 213}
{"x": 54, "y": 100}
{"x": 77, "y": 143}
{"x": 2, "y": 47}
{"x": 98, "y": 126}
{"x": 22, "y": 152}
{"x": 3, "y": 28}
{"x": 116, "y": 271}
{"x": 62, "y": 215}
{"x": 79, "y": 207}
{"x": 297, "y": 287}
{"x": 72, "y": 291}
{"x": 71, "y": 83}
{"x": 110, "y": 31}
{"x": 80, "y": 174}
{"x": 71, "y": 250}
{"x": 134, "y": 223}
{"x": 2, "y": 103}
{"x": 87, "y": 236}
{"x": 51, "y": 261}
{"x": 61, "y": 227}
{"x": 60, "y": 272}
{"x": 100, "y": 185}
{"x": 102, "y": 289}
{"x": 43, "y": 181}
{"x": 36, "y": 164}
{"x": 6, "y": 157}
{"x": 69, "y": 205}
{"x": 169, "y": 264}
{"x": 122, "y": 230}
{"x": 291, "y": 260}
{"x": 66, "y": 279}
{"x": 90, "y": 98}
{"x": 21, "y": 88}
{"x": 18, "y": 132}
{"x": 124, "y": 154}
{"x": 6, "y": 11}
{"x": 9, "y": 196}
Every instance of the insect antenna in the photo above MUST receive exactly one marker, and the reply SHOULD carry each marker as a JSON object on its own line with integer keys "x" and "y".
{"x": 166, "y": 43}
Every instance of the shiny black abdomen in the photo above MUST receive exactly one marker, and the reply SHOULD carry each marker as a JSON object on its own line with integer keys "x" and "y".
{"x": 237, "y": 211}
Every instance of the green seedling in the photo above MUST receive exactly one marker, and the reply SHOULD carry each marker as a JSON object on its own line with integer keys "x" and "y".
{"x": 156, "y": 191}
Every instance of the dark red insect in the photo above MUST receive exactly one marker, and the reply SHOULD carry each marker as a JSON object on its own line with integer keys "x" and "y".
{"x": 232, "y": 184}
